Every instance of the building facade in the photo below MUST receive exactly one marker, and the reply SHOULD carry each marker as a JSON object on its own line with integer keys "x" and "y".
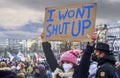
{"x": 114, "y": 30}
{"x": 112, "y": 37}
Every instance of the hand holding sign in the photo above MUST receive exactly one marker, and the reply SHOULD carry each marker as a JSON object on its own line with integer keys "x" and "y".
{"x": 42, "y": 36}
{"x": 94, "y": 36}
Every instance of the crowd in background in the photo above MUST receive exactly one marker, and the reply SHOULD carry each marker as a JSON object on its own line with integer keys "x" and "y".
{"x": 41, "y": 69}
{"x": 94, "y": 62}
{"x": 20, "y": 69}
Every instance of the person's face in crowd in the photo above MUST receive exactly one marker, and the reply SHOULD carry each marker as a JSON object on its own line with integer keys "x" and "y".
{"x": 37, "y": 71}
{"x": 117, "y": 64}
{"x": 99, "y": 54}
{"x": 67, "y": 66}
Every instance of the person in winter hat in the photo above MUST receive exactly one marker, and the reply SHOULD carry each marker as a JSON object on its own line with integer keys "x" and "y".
{"x": 67, "y": 64}
{"x": 40, "y": 72}
{"x": 21, "y": 70}
{"x": 106, "y": 61}
{"x": 71, "y": 56}
{"x": 75, "y": 71}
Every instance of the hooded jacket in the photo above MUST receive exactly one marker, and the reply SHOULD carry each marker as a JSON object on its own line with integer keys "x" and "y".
{"x": 106, "y": 67}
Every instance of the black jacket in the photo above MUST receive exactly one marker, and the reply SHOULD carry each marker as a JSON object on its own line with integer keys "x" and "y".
{"x": 106, "y": 67}
{"x": 82, "y": 71}
{"x": 49, "y": 56}
{"x": 7, "y": 74}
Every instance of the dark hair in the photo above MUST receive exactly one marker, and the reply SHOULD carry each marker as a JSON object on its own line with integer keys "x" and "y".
{"x": 7, "y": 74}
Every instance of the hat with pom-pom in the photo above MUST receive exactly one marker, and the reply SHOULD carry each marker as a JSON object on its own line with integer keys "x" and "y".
{"x": 71, "y": 56}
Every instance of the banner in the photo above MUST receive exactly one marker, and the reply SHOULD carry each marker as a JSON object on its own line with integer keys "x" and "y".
{"x": 21, "y": 56}
{"x": 10, "y": 55}
{"x": 69, "y": 23}
{"x": 38, "y": 57}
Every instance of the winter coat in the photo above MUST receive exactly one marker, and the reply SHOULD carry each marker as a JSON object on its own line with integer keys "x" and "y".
{"x": 63, "y": 74}
{"x": 49, "y": 73}
{"x": 106, "y": 67}
{"x": 92, "y": 69}
{"x": 21, "y": 75}
{"x": 49, "y": 56}
{"x": 42, "y": 73}
{"x": 7, "y": 74}
{"x": 29, "y": 70}
{"x": 5, "y": 68}
{"x": 82, "y": 71}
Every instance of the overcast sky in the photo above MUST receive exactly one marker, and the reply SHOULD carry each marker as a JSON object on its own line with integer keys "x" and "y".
{"x": 15, "y": 15}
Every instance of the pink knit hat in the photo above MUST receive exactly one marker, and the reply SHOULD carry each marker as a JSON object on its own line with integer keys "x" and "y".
{"x": 71, "y": 56}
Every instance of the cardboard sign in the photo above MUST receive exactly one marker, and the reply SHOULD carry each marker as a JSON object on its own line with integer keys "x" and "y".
{"x": 69, "y": 23}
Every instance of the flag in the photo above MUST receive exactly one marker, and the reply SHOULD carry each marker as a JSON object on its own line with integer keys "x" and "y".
{"x": 27, "y": 58}
{"x": 37, "y": 56}
{"x": 9, "y": 55}
{"x": 21, "y": 56}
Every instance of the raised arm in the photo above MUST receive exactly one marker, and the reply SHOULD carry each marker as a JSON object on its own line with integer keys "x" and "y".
{"x": 49, "y": 55}
{"x": 51, "y": 60}
{"x": 82, "y": 71}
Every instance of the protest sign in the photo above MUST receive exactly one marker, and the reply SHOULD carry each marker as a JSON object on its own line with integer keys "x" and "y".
{"x": 69, "y": 23}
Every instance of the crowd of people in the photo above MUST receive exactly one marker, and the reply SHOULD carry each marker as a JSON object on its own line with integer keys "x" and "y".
{"x": 97, "y": 61}
{"x": 19, "y": 69}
